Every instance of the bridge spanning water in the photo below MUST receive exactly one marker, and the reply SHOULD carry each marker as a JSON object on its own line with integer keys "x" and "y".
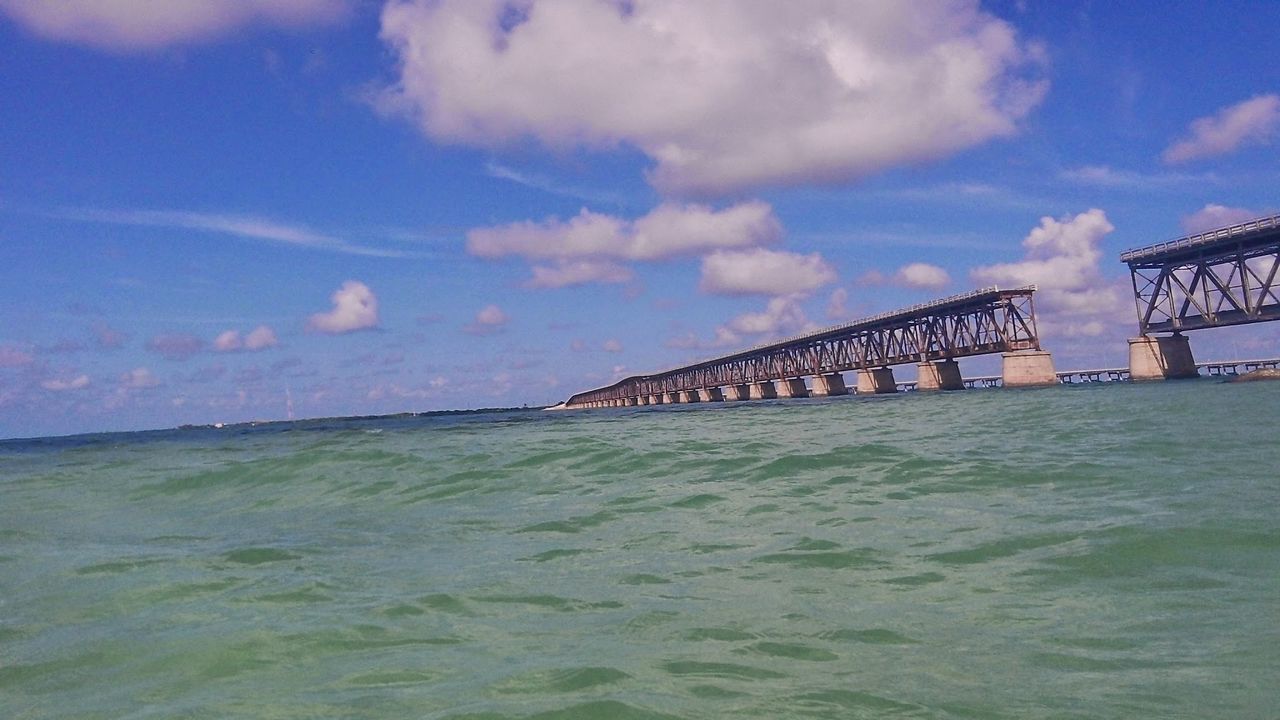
{"x": 932, "y": 335}
{"x": 1222, "y": 277}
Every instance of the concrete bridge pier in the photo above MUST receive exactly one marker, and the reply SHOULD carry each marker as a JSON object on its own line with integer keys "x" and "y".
{"x": 876, "y": 381}
{"x": 655, "y": 399}
{"x": 711, "y": 395}
{"x": 793, "y": 388}
{"x": 632, "y": 401}
{"x": 737, "y": 392}
{"x": 763, "y": 390}
{"x": 689, "y": 396}
{"x": 939, "y": 375}
{"x": 672, "y": 398}
{"x": 1161, "y": 358}
{"x": 832, "y": 384}
{"x": 1027, "y": 368}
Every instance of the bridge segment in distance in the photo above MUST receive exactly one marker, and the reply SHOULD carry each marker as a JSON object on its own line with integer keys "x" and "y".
{"x": 932, "y": 335}
{"x": 1217, "y": 278}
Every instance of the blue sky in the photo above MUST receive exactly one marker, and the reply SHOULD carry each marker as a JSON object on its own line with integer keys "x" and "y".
{"x": 208, "y": 209}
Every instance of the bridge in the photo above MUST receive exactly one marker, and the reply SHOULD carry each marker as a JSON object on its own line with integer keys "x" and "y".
{"x": 932, "y": 335}
{"x": 1212, "y": 279}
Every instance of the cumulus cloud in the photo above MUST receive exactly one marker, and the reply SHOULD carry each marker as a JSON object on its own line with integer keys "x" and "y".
{"x": 489, "y": 320}
{"x": 764, "y": 272}
{"x": 59, "y": 385}
{"x": 913, "y": 275}
{"x": 1212, "y": 217}
{"x": 176, "y": 346}
{"x": 668, "y": 231}
{"x": 1062, "y": 259}
{"x": 578, "y": 272}
{"x": 260, "y": 338}
{"x": 922, "y": 275}
{"x": 147, "y": 24}
{"x": 721, "y": 95}
{"x": 1252, "y": 122}
{"x": 355, "y": 307}
{"x": 228, "y": 341}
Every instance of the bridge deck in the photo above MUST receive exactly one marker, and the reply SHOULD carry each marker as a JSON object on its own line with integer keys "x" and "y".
{"x": 979, "y": 322}
{"x": 1259, "y": 232}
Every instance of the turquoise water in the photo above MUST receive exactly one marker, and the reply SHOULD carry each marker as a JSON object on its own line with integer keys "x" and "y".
{"x": 1097, "y": 551}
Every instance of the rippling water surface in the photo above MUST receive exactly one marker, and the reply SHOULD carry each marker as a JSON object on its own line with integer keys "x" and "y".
{"x": 1076, "y": 552}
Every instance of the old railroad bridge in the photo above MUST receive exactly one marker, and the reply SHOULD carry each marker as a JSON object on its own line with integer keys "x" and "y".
{"x": 933, "y": 335}
{"x": 1222, "y": 277}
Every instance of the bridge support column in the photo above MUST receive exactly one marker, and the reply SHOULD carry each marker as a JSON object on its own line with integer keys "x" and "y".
{"x": 737, "y": 392}
{"x": 1161, "y": 358}
{"x": 656, "y": 399}
{"x": 940, "y": 375}
{"x": 876, "y": 381}
{"x": 1027, "y": 368}
{"x": 763, "y": 391}
{"x": 673, "y": 398}
{"x": 711, "y": 394}
{"x": 632, "y": 401}
{"x": 793, "y": 388}
{"x": 689, "y": 396}
{"x": 832, "y": 384}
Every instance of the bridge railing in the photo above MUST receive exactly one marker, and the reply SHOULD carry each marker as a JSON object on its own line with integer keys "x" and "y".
{"x": 1204, "y": 238}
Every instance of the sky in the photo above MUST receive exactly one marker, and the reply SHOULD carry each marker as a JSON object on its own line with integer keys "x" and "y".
{"x": 222, "y": 212}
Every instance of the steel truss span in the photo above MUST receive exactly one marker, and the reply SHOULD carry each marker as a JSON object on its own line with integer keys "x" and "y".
{"x": 1222, "y": 277}
{"x": 976, "y": 323}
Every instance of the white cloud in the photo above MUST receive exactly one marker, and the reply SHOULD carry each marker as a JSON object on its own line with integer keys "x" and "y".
{"x": 579, "y": 272}
{"x": 1062, "y": 259}
{"x": 836, "y": 304}
{"x": 922, "y": 275}
{"x": 150, "y": 24}
{"x": 489, "y": 320}
{"x": 228, "y": 341}
{"x": 721, "y": 95}
{"x": 1212, "y": 217}
{"x": 60, "y": 385}
{"x": 668, "y": 231}
{"x": 261, "y": 338}
{"x": 612, "y": 345}
{"x": 763, "y": 272}
{"x": 1251, "y": 122}
{"x": 243, "y": 226}
{"x": 355, "y": 307}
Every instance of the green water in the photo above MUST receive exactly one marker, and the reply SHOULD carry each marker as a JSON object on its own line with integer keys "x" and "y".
{"x": 1104, "y": 551}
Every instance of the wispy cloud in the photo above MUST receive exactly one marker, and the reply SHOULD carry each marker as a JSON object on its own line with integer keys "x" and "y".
{"x": 1118, "y": 179}
{"x": 551, "y": 186}
{"x": 243, "y": 226}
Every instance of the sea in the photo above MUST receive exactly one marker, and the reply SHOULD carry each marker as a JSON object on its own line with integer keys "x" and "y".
{"x": 1107, "y": 550}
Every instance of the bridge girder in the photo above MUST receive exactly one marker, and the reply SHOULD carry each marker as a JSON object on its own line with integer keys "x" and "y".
{"x": 1223, "y": 277}
{"x": 977, "y": 323}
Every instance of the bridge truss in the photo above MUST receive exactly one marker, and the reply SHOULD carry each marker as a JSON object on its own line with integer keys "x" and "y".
{"x": 976, "y": 323}
{"x": 1222, "y": 277}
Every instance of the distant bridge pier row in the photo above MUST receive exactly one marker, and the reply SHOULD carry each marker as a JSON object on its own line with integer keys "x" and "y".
{"x": 1214, "y": 279}
{"x": 931, "y": 335}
